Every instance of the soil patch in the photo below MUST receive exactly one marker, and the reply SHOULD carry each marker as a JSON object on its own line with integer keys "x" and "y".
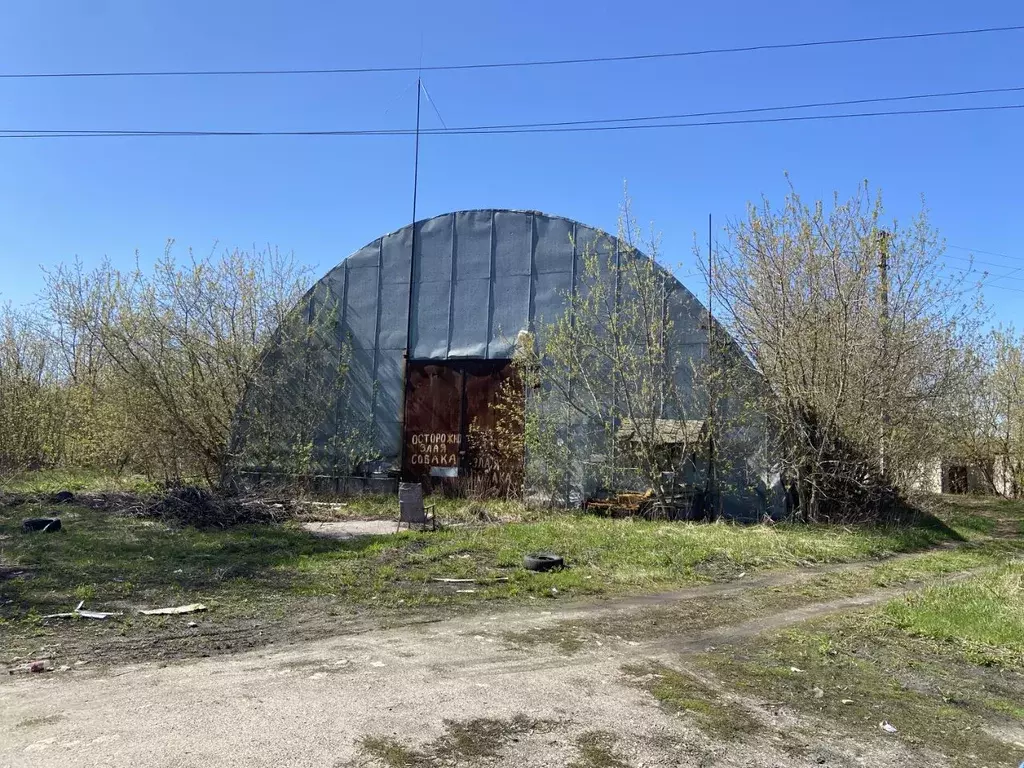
{"x": 350, "y": 529}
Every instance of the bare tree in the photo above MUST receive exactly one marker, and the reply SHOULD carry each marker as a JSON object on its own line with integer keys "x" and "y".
{"x": 861, "y": 337}
{"x": 281, "y": 429}
{"x": 31, "y": 408}
{"x": 988, "y": 430}
{"x": 157, "y": 361}
{"x": 604, "y": 399}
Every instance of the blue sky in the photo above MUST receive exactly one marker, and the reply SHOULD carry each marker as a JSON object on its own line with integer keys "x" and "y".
{"x": 324, "y": 197}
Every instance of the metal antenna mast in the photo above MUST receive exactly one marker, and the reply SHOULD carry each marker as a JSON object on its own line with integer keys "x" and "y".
{"x": 415, "y": 173}
{"x": 412, "y": 268}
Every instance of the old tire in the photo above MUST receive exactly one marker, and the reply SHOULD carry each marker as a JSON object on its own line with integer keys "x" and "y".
{"x": 543, "y": 561}
{"x": 49, "y": 524}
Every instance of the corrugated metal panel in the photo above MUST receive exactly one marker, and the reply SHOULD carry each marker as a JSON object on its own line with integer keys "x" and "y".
{"x": 394, "y": 315}
{"x": 510, "y": 297}
{"x": 432, "y": 292}
{"x": 395, "y": 252}
{"x": 361, "y": 306}
{"x": 513, "y": 239}
{"x": 554, "y": 248}
{"x": 468, "y": 335}
{"x": 472, "y": 245}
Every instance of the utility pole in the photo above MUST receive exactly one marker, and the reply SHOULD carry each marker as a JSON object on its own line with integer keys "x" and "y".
{"x": 712, "y": 479}
{"x": 883, "y": 283}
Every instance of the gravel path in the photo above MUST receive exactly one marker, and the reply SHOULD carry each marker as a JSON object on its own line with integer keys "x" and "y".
{"x": 450, "y": 693}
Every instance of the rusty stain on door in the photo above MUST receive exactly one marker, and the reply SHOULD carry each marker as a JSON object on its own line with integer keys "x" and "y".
{"x": 463, "y": 419}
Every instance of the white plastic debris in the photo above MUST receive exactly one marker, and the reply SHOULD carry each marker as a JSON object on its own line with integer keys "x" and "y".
{"x": 190, "y": 608}
{"x": 888, "y": 727}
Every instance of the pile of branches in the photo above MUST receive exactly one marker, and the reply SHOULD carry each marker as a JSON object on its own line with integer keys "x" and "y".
{"x": 200, "y": 508}
{"x": 188, "y": 505}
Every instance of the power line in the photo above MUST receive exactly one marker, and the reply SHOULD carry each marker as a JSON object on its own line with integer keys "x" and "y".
{"x": 753, "y": 110}
{"x": 978, "y": 250}
{"x": 646, "y": 118}
{"x": 978, "y": 261}
{"x": 497, "y": 130}
{"x": 518, "y": 64}
{"x": 752, "y": 121}
{"x": 1005, "y": 288}
{"x": 988, "y": 280}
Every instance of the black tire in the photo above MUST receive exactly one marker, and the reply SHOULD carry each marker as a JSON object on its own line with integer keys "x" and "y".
{"x": 49, "y": 524}
{"x": 543, "y": 561}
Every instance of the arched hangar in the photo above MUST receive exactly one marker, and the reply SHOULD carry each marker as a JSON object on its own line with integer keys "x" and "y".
{"x": 413, "y": 334}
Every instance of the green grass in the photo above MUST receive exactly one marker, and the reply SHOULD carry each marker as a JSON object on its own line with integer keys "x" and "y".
{"x": 448, "y": 510}
{"x": 390, "y": 752}
{"x": 604, "y": 556}
{"x": 105, "y": 558}
{"x": 943, "y": 666}
{"x": 984, "y": 615}
{"x": 278, "y": 573}
{"x": 925, "y": 566}
{"x": 866, "y": 677}
{"x": 976, "y": 516}
{"x": 48, "y": 481}
{"x": 596, "y": 749}
{"x": 114, "y": 563}
{"x": 463, "y": 742}
{"x": 675, "y": 618}
{"x": 686, "y": 694}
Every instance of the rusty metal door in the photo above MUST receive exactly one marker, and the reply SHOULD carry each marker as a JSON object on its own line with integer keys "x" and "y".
{"x": 462, "y": 419}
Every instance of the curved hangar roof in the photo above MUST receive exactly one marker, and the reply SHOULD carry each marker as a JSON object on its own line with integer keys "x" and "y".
{"x": 479, "y": 277}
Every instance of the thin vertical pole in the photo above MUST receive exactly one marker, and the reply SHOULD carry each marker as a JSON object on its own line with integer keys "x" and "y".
{"x": 416, "y": 165}
{"x": 412, "y": 274}
{"x": 415, "y": 191}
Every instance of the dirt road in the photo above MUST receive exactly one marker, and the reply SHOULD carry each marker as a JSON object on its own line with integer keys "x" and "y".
{"x": 457, "y": 692}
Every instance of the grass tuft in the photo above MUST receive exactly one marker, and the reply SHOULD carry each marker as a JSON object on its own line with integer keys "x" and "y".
{"x": 464, "y": 742}
{"x": 391, "y": 753}
{"x": 596, "y": 749}
{"x": 683, "y": 693}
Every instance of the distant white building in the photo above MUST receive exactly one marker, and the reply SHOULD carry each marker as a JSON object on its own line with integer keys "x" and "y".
{"x": 959, "y": 475}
